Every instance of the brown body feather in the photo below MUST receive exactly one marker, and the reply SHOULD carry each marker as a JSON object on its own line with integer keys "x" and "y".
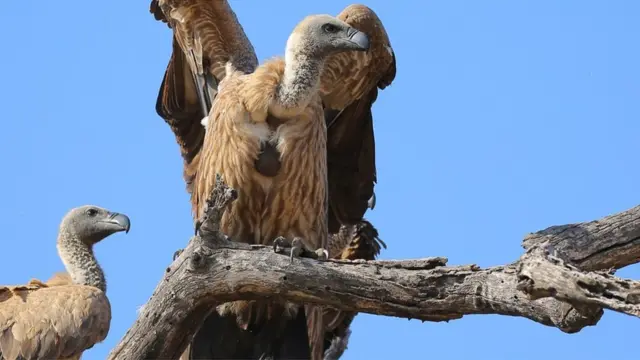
{"x": 290, "y": 204}
{"x": 52, "y": 320}
{"x": 285, "y": 205}
{"x": 349, "y": 86}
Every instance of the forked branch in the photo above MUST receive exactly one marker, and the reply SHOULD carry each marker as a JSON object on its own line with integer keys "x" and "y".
{"x": 213, "y": 269}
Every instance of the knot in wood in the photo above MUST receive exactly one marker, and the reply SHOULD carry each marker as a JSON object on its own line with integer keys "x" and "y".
{"x": 633, "y": 298}
{"x": 198, "y": 260}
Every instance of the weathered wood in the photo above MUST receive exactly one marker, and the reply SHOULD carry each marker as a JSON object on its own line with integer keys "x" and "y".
{"x": 212, "y": 270}
{"x": 542, "y": 275}
{"x": 610, "y": 242}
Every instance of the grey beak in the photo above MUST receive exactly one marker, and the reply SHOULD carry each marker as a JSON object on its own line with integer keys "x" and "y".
{"x": 120, "y": 220}
{"x": 358, "y": 38}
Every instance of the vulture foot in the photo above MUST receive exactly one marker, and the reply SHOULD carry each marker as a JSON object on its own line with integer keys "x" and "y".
{"x": 279, "y": 245}
{"x": 296, "y": 249}
{"x": 321, "y": 254}
{"x": 177, "y": 254}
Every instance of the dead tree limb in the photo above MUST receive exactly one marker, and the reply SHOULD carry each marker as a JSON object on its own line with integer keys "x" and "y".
{"x": 543, "y": 275}
{"x": 610, "y": 242}
{"x": 213, "y": 269}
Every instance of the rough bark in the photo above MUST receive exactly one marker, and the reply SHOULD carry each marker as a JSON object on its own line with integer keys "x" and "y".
{"x": 610, "y": 242}
{"x": 543, "y": 275}
{"x": 213, "y": 269}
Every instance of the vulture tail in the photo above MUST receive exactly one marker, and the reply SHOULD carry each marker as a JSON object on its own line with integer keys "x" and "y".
{"x": 220, "y": 337}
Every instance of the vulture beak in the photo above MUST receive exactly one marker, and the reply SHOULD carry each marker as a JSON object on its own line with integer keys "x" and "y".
{"x": 359, "y": 39}
{"x": 120, "y": 220}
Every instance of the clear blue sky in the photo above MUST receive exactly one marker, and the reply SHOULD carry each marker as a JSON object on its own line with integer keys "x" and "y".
{"x": 505, "y": 117}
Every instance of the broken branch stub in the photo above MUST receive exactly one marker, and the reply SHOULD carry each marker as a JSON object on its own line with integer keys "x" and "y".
{"x": 213, "y": 269}
{"x": 221, "y": 197}
{"x": 610, "y": 242}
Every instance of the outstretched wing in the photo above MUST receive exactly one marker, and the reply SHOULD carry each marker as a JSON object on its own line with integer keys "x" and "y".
{"x": 206, "y": 35}
{"x": 349, "y": 87}
{"x": 179, "y": 105}
{"x": 42, "y": 322}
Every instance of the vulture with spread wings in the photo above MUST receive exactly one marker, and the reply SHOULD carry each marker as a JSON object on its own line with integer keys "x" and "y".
{"x": 207, "y": 36}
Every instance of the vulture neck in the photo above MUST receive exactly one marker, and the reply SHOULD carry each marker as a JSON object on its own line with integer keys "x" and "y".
{"x": 80, "y": 262}
{"x": 301, "y": 75}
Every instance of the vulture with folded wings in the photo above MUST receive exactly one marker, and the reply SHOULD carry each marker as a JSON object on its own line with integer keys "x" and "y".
{"x": 207, "y": 36}
{"x": 70, "y": 313}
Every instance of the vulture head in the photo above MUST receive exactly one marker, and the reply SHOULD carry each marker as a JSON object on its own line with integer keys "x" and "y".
{"x": 323, "y": 35}
{"x": 91, "y": 224}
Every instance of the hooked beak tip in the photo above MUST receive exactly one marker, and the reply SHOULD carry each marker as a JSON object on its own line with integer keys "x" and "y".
{"x": 361, "y": 40}
{"x": 121, "y": 220}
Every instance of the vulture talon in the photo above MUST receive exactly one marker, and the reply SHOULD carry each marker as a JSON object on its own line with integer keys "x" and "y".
{"x": 279, "y": 245}
{"x": 296, "y": 249}
{"x": 321, "y": 254}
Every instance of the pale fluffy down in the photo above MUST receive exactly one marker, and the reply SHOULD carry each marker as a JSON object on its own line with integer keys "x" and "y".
{"x": 205, "y": 121}
{"x": 35, "y": 316}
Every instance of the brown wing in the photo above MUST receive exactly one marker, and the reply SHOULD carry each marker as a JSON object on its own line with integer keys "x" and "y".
{"x": 38, "y": 321}
{"x": 349, "y": 88}
{"x": 178, "y": 104}
{"x": 206, "y": 35}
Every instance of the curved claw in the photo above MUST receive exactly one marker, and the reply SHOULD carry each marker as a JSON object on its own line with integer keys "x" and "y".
{"x": 177, "y": 254}
{"x": 279, "y": 244}
{"x": 322, "y": 254}
{"x": 372, "y": 201}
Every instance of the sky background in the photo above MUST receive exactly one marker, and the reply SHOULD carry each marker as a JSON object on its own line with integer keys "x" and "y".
{"x": 505, "y": 117}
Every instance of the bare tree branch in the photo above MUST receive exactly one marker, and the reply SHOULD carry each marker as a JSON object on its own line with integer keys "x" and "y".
{"x": 610, "y": 242}
{"x": 543, "y": 275}
{"x": 213, "y": 269}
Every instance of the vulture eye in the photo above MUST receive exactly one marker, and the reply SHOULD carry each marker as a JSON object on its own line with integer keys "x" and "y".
{"x": 330, "y": 28}
{"x": 92, "y": 212}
